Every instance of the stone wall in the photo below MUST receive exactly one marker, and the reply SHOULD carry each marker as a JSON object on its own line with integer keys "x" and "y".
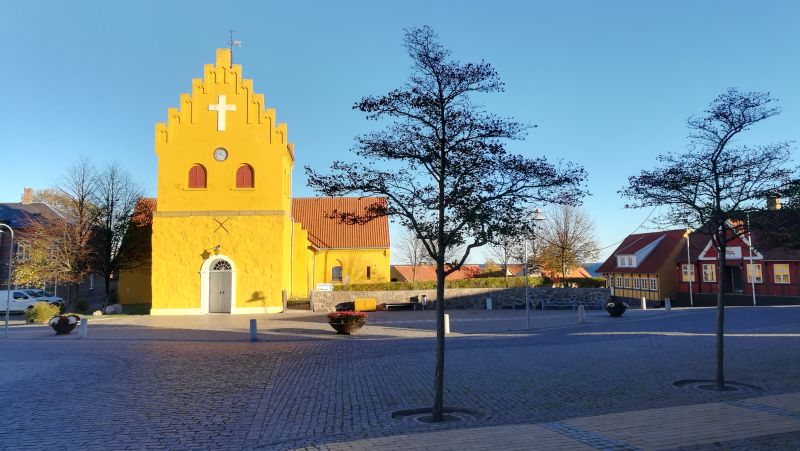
{"x": 473, "y": 298}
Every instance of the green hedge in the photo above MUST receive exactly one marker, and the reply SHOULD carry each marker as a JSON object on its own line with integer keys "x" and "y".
{"x": 480, "y": 282}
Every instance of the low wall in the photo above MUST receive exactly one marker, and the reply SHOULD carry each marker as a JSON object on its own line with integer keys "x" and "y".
{"x": 468, "y": 298}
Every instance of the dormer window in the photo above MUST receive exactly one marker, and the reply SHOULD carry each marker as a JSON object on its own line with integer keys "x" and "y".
{"x": 626, "y": 261}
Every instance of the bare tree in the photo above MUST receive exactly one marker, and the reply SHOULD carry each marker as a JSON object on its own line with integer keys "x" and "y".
{"x": 70, "y": 239}
{"x": 442, "y": 165}
{"x": 715, "y": 180}
{"x": 567, "y": 240}
{"x": 116, "y": 197}
{"x": 410, "y": 251}
{"x": 504, "y": 253}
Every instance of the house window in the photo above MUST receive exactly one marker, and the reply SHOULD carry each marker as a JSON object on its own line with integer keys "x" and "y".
{"x": 653, "y": 284}
{"x": 627, "y": 282}
{"x": 369, "y": 272}
{"x": 197, "y": 176}
{"x": 636, "y": 283}
{"x": 757, "y": 272}
{"x": 781, "y": 273}
{"x": 23, "y": 252}
{"x": 619, "y": 281}
{"x": 709, "y": 272}
{"x": 688, "y": 272}
{"x": 244, "y": 176}
{"x": 336, "y": 274}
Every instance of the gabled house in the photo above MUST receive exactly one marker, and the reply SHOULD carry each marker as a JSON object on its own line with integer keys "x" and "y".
{"x": 20, "y": 216}
{"x": 643, "y": 266}
{"x": 773, "y": 268}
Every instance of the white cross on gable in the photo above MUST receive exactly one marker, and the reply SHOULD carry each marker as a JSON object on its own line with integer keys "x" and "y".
{"x": 221, "y": 108}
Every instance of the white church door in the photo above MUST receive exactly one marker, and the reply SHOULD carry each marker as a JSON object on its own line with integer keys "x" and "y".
{"x": 219, "y": 284}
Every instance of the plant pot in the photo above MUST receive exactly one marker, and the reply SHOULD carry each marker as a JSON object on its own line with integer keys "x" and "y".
{"x": 616, "y": 308}
{"x": 347, "y": 328}
{"x": 63, "y": 329}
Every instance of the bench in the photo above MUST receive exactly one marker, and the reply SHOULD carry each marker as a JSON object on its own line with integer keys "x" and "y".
{"x": 399, "y": 306}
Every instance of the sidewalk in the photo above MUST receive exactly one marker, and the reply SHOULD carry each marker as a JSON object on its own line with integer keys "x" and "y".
{"x": 732, "y": 422}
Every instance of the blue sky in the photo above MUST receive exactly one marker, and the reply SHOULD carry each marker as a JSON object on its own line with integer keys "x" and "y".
{"x": 609, "y": 83}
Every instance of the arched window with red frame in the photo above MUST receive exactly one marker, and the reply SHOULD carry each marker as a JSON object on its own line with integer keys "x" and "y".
{"x": 244, "y": 176}
{"x": 197, "y": 176}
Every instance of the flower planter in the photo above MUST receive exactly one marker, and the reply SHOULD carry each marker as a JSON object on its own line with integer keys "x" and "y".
{"x": 346, "y": 323}
{"x": 616, "y": 308}
{"x": 346, "y": 329}
{"x": 64, "y": 324}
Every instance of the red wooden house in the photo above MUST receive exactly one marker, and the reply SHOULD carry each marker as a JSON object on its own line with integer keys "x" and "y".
{"x": 771, "y": 268}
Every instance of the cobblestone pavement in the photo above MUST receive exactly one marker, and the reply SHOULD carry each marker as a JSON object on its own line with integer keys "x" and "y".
{"x": 149, "y": 382}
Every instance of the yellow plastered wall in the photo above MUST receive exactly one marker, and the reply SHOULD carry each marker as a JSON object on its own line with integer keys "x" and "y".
{"x": 181, "y": 244}
{"x": 302, "y": 263}
{"x": 354, "y": 264}
{"x": 191, "y": 135}
{"x": 134, "y": 286}
{"x": 251, "y": 225}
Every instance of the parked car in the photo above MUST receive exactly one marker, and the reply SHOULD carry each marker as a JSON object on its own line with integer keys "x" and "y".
{"x": 20, "y": 300}
{"x": 45, "y": 296}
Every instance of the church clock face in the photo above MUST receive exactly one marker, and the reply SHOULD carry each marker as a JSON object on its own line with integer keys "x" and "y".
{"x": 220, "y": 154}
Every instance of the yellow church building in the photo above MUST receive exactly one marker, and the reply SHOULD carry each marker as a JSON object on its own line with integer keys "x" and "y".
{"x": 226, "y": 235}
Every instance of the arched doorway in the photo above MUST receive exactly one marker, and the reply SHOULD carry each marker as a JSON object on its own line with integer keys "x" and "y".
{"x": 220, "y": 287}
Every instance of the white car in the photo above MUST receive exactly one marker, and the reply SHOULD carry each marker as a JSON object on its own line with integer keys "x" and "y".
{"x": 43, "y": 295}
{"x": 20, "y": 301}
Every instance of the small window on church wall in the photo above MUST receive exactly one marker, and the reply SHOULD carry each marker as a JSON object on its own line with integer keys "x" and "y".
{"x": 336, "y": 274}
{"x": 197, "y": 176}
{"x": 369, "y": 272}
{"x": 244, "y": 176}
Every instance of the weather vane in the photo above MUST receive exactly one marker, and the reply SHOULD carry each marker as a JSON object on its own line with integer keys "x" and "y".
{"x": 232, "y": 42}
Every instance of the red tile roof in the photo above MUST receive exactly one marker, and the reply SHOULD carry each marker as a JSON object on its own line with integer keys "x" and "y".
{"x": 517, "y": 270}
{"x": 330, "y": 233}
{"x": 654, "y": 260}
{"x": 427, "y": 273}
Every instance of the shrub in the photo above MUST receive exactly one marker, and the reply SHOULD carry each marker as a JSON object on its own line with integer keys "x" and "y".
{"x": 41, "y": 312}
{"x": 82, "y": 306}
{"x": 481, "y": 282}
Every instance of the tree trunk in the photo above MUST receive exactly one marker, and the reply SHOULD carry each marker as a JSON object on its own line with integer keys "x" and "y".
{"x": 438, "y": 384}
{"x": 719, "y": 378}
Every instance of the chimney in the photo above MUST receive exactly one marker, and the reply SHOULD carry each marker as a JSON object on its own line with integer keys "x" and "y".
{"x": 774, "y": 202}
{"x": 27, "y": 196}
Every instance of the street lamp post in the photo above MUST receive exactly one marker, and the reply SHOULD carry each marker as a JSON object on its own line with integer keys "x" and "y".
{"x": 10, "y": 272}
{"x": 537, "y": 216}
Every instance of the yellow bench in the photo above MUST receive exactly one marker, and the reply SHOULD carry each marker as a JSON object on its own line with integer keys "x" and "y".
{"x": 366, "y": 304}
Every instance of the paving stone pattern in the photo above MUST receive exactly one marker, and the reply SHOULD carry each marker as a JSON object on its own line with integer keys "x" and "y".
{"x": 138, "y": 384}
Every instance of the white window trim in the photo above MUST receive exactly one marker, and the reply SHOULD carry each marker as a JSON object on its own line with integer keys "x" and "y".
{"x": 626, "y": 282}
{"x": 637, "y": 284}
{"x": 787, "y": 274}
{"x": 684, "y": 276}
{"x": 653, "y": 284}
{"x": 759, "y": 273}
{"x": 713, "y": 272}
